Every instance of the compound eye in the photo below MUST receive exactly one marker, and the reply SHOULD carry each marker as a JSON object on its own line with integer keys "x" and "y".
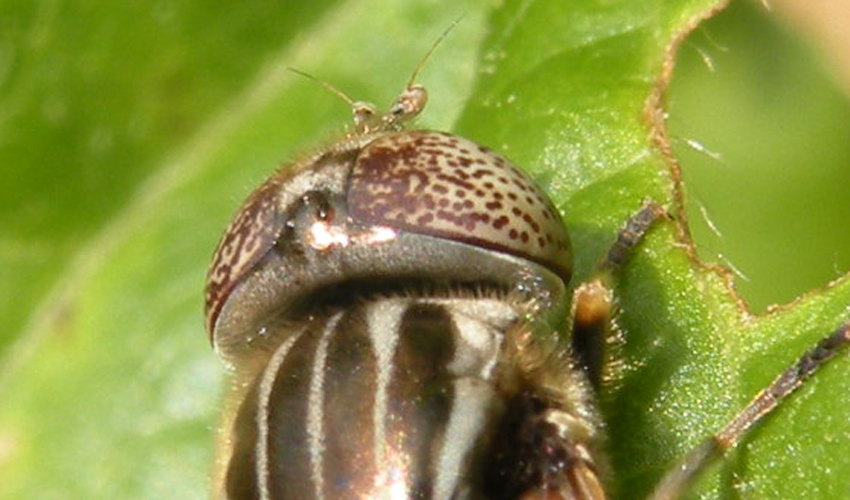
{"x": 443, "y": 185}
{"x": 247, "y": 239}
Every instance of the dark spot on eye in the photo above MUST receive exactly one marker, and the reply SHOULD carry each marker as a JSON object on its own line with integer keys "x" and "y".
{"x": 513, "y": 234}
{"x": 460, "y": 173}
{"x": 524, "y": 237}
{"x": 428, "y": 201}
{"x": 531, "y": 222}
{"x": 410, "y": 206}
{"x": 380, "y": 209}
{"x": 493, "y": 205}
{"x": 500, "y": 222}
{"x": 425, "y": 219}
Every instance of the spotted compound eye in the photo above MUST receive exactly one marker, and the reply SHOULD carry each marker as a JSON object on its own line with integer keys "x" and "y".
{"x": 447, "y": 186}
{"x": 402, "y": 204}
{"x": 247, "y": 239}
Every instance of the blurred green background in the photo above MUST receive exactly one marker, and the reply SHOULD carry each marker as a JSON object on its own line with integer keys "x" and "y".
{"x": 129, "y": 133}
{"x": 774, "y": 175}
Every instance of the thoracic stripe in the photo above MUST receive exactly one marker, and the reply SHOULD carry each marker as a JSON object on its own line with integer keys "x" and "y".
{"x": 383, "y": 320}
{"x": 421, "y": 391}
{"x": 269, "y": 376}
{"x": 466, "y": 423}
{"x": 383, "y": 400}
{"x": 350, "y": 387}
{"x": 315, "y": 409}
{"x": 288, "y": 453}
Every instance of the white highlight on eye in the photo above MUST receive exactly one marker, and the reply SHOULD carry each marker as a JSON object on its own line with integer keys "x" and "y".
{"x": 378, "y": 234}
{"x": 324, "y": 236}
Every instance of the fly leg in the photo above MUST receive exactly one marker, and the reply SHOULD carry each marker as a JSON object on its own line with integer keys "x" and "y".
{"x": 680, "y": 478}
{"x": 592, "y": 300}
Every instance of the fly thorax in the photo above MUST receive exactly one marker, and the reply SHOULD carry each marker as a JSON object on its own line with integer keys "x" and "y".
{"x": 388, "y": 398}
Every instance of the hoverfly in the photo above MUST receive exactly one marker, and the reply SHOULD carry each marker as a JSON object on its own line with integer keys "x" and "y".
{"x": 394, "y": 309}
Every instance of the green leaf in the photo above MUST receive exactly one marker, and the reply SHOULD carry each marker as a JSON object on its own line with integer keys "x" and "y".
{"x": 776, "y": 196}
{"x": 130, "y": 135}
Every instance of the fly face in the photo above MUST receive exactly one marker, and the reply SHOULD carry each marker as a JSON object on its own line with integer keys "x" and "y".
{"x": 392, "y": 308}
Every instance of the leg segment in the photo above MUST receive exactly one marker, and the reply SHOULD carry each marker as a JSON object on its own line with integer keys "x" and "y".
{"x": 680, "y": 478}
{"x": 628, "y": 237}
{"x": 591, "y": 313}
{"x": 591, "y": 325}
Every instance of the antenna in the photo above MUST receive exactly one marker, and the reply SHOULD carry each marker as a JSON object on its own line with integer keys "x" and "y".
{"x": 327, "y": 86}
{"x": 413, "y": 98}
{"x": 427, "y": 55}
{"x": 408, "y": 104}
{"x": 364, "y": 113}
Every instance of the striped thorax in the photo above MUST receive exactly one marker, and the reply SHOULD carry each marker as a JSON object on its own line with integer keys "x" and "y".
{"x": 393, "y": 309}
